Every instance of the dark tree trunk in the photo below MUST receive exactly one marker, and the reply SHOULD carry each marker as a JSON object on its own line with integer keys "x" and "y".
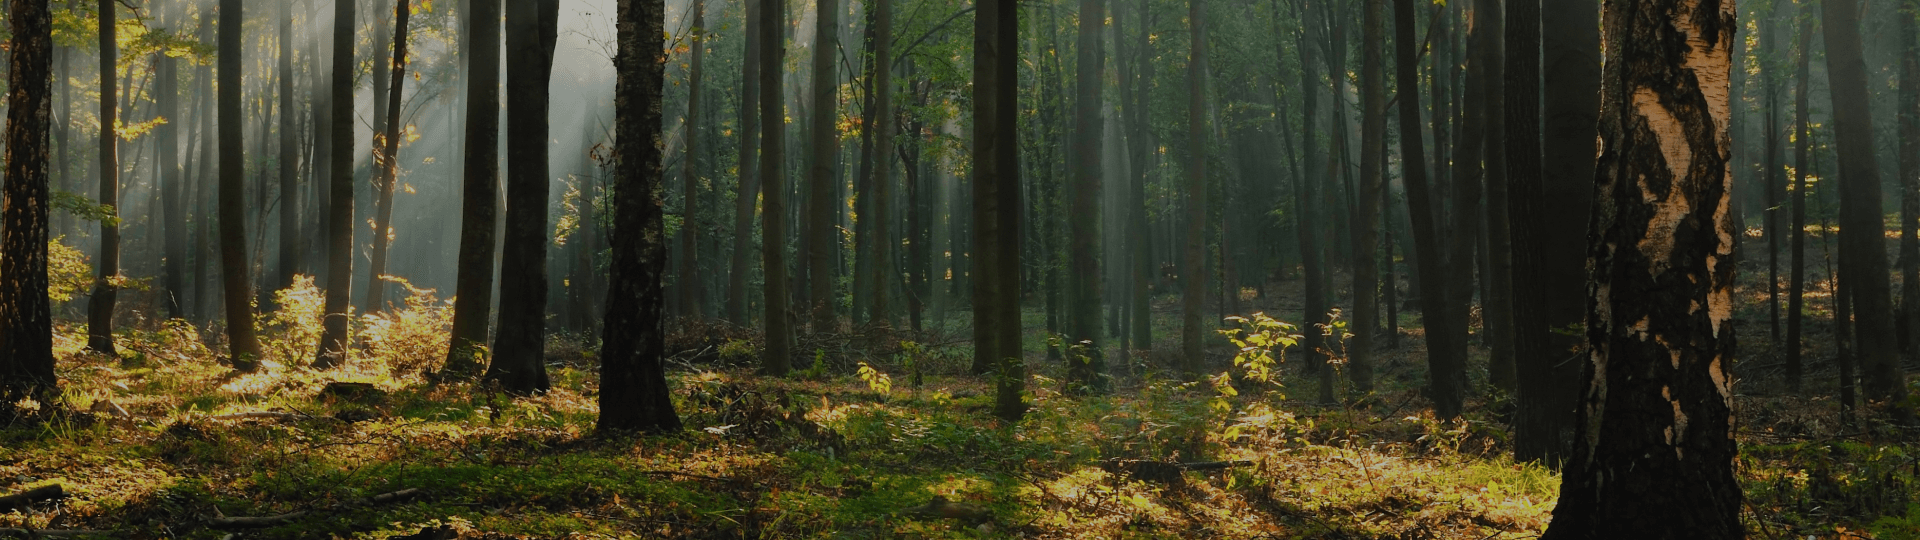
{"x": 1862, "y": 243}
{"x": 26, "y": 316}
{"x": 1084, "y": 324}
{"x": 1534, "y": 431}
{"x": 289, "y": 262}
{"x": 1193, "y": 275}
{"x": 748, "y": 192}
{"x": 233, "y": 228}
{"x": 1468, "y": 171}
{"x": 480, "y": 189}
{"x": 386, "y": 148}
{"x": 1909, "y": 118}
{"x": 339, "y": 308}
{"x": 1308, "y": 222}
{"x": 1140, "y": 239}
{"x": 773, "y": 200}
{"x": 1797, "y": 246}
{"x": 1366, "y": 235}
{"x": 322, "y": 160}
{"x": 1445, "y": 325}
{"x": 107, "y": 266}
{"x": 633, "y": 388}
{"x": 689, "y": 278}
{"x": 823, "y": 179}
{"x": 886, "y": 273}
{"x": 1497, "y": 305}
{"x": 519, "y": 360}
{"x": 1654, "y": 451}
{"x": 173, "y": 188}
{"x": 996, "y": 204}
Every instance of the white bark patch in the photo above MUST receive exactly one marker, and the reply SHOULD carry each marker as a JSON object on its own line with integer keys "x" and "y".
{"x": 1596, "y": 397}
{"x": 1718, "y": 372}
{"x": 1670, "y": 133}
{"x": 1719, "y": 298}
{"x": 1640, "y": 327}
{"x": 1678, "y": 433}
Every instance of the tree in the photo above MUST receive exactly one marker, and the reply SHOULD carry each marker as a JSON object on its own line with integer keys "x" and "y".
{"x": 885, "y": 273}
{"x": 773, "y": 202}
{"x": 996, "y": 204}
{"x": 1193, "y": 274}
{"x": 26, "y": 314}
{"x": 173, "y": 186}
{"x": 1654, "y": 451}
{"x": 822, "y": 179}
{"x": 1133, "y": 91}
{"x": 519, "y": 359}
{"x": 1797, "y": 246}
{"x": 748, "y": 191}
{"x": 1444, "y": 324}
{"x": 386, "y": 157}
{"x": 1909, "y": 163}
{"x": 1366, "y": 236}
{"x": 1497, "y": 305}
{"x": 1468, "y": 169}
{"x": 1084, "y": 325}
{"x": 473, "y": 288}
{"x": 633, "y": 380}
{"x": 1862, "y": 241}
{"x": 289, "y": 157}
{"x": 339, "y": 309}
{"x": 107, "y": 266}
{"x": 238, "y": 290}
{"x": 689, "y": 279}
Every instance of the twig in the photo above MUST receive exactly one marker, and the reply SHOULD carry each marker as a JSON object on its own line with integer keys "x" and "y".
{"x": 270, "y": 521}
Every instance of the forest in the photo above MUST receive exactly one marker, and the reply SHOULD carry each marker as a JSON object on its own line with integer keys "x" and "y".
{"x": 923, "y": 269}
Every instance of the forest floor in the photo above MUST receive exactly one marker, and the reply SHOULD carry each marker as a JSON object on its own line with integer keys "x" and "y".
{"x": 164, "y": 447}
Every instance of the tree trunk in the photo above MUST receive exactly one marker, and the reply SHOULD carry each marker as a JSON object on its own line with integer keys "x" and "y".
{"x": 519, "y": 360}
{"x": 1909, "y": 118}
{"x": 996, "y": 204}
{"x": 773, "y": 198}
{"x": 107, "y": 266}
{"x": 748, "y": 192}
{"x": 633, "y": 389}
{"x": 339, "y": 308}
{"x": 886, "y": 273}
{"x": 173, "y": 188}
{"x": 1308, "y": 222}
{"x": 1660, "y": 325}
{"x": 1497, "y": 305}
{"x": 1468, "y": 171}
{"x": 822, "y": 178}
{"x": 386, "y": 159}
{"x": 1193, "y": 276}
{"x": 1862, "y": 243}
{"x": 689, "y": 278}
{"x": 322, "y": 160}
{"x": 245, "y": 348}
{"x": 479, "y": 206}
{"x": 1445, "y": 326}
{"x": 1373, "y": 127}
{"x": 1084, "y": 324}
{"x": 1140, "y": 239}
{"x": 1797, "y": 246}
{"x": 289, "y": 263}
{"x": 26, "y": 316}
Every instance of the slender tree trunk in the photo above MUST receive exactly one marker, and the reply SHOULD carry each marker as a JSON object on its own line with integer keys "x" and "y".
{"x": 1862, "y": 244}
{"x": 1468, "y": 170}
{"x": 172, "y": 184}
{"x": 1308, "y": 221}
{"x": 322, "y": 158}
{"x": 107, "y": 266}
{"x": 1445, "y": 326}
{"x": 1193, "y": 276}
{"x": 1140, "y": 239}
{"x": 289, "y": 158}
{"x": 633, "y": 388}
{"x": 1909, "y": 118}
{"x": 519, "y": 360}
{"x": 822, "y": 178}
{"x": 1660, "y": 318}
{"x": 233, "y": 234}
{"x": 1084, "y": 324}
{"x": 1797, "y": 246}
{"x": 748, "y": 192}
{"x": 996, "y": 204}
{"x": 1534, "y": 428}
{"x": 1773, "y": 178}
{"x": 886, "y": 273}
{"x": 386, "y": 156}
{"x": 1497, "y": 307}
{"x": 339, "y": 307}
{"x": 1373, "y": 126}
{"x": 773, "y": 199}
{"x": 26, "y": 315}
{"x": 479, "y": 204}
{"x": 689, "y": 278}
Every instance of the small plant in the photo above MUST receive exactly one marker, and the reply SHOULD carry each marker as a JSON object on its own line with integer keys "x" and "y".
{"x": 878, "y": 381}
{"x": 737, "y": 350}
{"x": 819, "y": 369}
{"x": 412, "y": 338}
{"x": 1257, "y": 338}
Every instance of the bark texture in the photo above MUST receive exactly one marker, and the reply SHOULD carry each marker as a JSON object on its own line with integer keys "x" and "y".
{"x": 1193, "y": 275}
{"x": 996, "y": 203}
{"x": 480, "y": 187}
{"x": 823, "y": 202}
{"x": 773, "y": 179}
{"x": 519, "y": 351}
{"x": 386, "y": 148}
{"x": 1444, "y": 324}
{"x": 234, "y": 272}
{"x": 1084, "y": 324}
{"x": 107, "y": 266}
{"x": 26, "y": 315}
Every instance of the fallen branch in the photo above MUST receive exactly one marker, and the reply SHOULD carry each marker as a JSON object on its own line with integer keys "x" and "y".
{"x": 261, "y": 415}
{"x": 256, "y": 522}
{"x": 22, "y": 499}
{"x": 51, "y": 533}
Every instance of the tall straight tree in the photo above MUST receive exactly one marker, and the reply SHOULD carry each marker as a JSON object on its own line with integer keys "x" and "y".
{"x": 1467, "y": 167}
{"x": 1084, "y": 324}
{"x": 1139, "y": 240}
{"x": 689, "y": 278}
{"x": 238, "y": 290}
{"x": 26, "y": 315}
{"x": 1497, "y": 305}
{"x": 1193, "y": 273}
{"x": 1909, "y": 163}
{"x": 1444, "y": 321}
{"x": 480, "y": 187}
{"x": 1533, "y": 359}
{"x": 173, "y": 186}
{"x": 1366, "y": 236}
{"x": 747, "y": 193}
{"x": 773, "y": 179}
{"x": 519, "y": 360}
{"x": 886, "y": 274}
{"x": 1771, "y": 174}
{"x": 386, "y": 158}
{"x": 1307, "y": 216}
{"x": 1654, "y": 451}
{"x": 1797, "y": 246}
{"x": 107, "y": 266}
{"x": 320, "y": 130}
{"x": 339, "y": 308}
{"x": 822, "y": 176}
{"x": 289, "y": 158}
{"x": 633, "y": 378}
{"x": 996, "y": 204}
{"x": 1863, "y": 246}
{"x": 1559, "y": 204}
